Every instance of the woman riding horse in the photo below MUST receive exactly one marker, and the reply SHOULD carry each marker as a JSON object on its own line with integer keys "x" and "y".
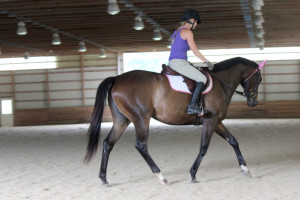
{"x": 137, "y": 96}
{"x": 182, "y": 41}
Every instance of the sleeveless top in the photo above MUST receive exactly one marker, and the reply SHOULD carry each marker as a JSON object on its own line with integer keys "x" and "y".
{"x": 179, "y": 47}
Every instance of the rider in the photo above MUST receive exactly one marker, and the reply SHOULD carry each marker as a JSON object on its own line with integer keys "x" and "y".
{"x": 182, "y": 41}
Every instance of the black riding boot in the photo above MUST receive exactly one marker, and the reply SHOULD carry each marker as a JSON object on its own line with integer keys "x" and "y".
{"x": 193, "y": 107}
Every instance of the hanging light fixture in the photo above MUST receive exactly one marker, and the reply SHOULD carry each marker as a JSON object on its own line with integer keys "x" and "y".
{"x": 260, "y": 33}
{"x": 258, "y": 12}
{"x": 26, "y": 55}
{"x": 102, "y": 53}
{"x": 257, "y": 4}
{"x": 258, "y": 20}
{"x": 259, "y": 25}
{"x": 157, "y": 35}
{"x": 260, "y": 41}
{"x": 138, "y": 24}
{"x": 169, "y": 45}
{"x": 21, "y": 30}
{"x": 82, "y": 47}
{"x": 56, "y": 39}
{"x": 113, "y": 7}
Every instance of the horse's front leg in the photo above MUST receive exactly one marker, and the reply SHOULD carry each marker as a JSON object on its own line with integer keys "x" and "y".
{"x": 224, "y": 133}
{"x": 207, "y": 131}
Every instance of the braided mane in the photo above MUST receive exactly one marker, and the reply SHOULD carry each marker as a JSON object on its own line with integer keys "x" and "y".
{"x": 226, "y": 64}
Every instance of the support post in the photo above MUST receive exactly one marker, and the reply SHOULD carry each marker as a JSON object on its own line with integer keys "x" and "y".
{"x": 82, "y": 80}
{"x": 120, "y": 63}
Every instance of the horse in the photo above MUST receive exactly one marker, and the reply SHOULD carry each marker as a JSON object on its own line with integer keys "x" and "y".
{"x": 137, "y": 96}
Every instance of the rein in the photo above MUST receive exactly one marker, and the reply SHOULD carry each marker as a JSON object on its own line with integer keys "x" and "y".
{"x": 228, "y": 86}
{"x": 236, "y": 91}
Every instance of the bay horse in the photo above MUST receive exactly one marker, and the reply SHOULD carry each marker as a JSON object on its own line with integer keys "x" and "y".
{"x": 136, "y": 96}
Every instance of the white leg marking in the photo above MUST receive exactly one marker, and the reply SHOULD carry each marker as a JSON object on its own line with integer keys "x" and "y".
{"x": 161, "y": 178}
{"x": 245, "y": 171}
{"x": 244, "y": 168}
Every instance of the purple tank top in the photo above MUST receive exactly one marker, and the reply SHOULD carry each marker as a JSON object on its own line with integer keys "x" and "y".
{"x": 179, "y": 47}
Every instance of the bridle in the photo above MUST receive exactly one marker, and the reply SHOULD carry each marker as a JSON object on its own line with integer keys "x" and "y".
{"x": 244, "y": 85}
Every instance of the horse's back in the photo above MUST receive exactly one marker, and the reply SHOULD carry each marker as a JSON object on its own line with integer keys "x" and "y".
{"x": 135, "y": 81}
{"x": 137, "y": 75}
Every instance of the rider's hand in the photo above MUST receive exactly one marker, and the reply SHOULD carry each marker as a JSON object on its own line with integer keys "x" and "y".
{"x": 209, "y": 64}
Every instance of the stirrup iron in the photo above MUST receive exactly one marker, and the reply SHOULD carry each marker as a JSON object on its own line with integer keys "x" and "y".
{"x": 194, "y": 109}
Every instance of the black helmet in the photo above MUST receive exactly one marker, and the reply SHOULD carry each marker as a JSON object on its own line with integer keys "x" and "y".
{"x": 190, "y": 13}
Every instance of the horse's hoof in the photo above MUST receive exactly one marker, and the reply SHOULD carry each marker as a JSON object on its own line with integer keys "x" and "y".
{"x": 163, "y": 182}
{"x": 194, "y": 181}
{"x": 245, "y": 171}
{"x": 161, "y": 179}
{"x": 106, "y": 184}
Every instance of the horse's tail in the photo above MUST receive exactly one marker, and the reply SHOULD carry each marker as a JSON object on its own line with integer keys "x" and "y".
{"x": 95, "y": 125}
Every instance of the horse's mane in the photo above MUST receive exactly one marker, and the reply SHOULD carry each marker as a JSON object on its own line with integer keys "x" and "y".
{"x": 226, "y": 64}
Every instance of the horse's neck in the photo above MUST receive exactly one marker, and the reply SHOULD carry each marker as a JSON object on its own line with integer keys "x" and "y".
{"x": 232, "y": 76}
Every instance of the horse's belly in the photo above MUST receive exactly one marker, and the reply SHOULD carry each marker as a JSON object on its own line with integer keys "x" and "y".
{"x": 176, "y": 121}
{"x": 170, "y": 107}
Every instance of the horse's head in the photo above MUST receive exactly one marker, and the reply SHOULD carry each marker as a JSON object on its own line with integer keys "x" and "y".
{"x": 251, "y": 83}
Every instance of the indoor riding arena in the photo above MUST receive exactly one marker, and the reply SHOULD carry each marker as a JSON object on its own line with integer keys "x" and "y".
{"x": 55, "y": 54}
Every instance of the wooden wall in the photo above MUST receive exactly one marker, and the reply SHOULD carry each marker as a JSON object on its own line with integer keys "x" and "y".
{"x": 51, "y": 116}
{"x": 61, "y": 95}
{"x": 72, "y": 83}
{"x": 272, "y": 109}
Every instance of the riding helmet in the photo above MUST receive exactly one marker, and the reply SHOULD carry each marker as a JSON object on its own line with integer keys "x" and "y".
{"x": 190, "y": 13}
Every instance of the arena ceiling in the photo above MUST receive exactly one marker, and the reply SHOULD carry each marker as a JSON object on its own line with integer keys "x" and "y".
{"x": 225, "y": 24}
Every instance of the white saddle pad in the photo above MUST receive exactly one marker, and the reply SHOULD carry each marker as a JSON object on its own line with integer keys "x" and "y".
{"x": 177, "y": 84}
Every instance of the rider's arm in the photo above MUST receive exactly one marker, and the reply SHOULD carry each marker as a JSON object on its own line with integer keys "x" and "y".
{"x": 190, "y": 40}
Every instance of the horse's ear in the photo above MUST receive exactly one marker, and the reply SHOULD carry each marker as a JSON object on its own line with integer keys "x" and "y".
{"x": 262, "y": 64}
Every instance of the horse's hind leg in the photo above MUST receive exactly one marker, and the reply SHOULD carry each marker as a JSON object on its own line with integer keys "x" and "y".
{"x": 119, "y": 125}
{"x": 224, "y": 133}
{"x": 142, "y": 132}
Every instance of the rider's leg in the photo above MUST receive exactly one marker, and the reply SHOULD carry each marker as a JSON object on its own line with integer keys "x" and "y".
{"x": 193, "y": 107}
{"x": 186, "y": 69}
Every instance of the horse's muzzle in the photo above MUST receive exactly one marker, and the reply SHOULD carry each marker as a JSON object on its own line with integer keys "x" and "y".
{"x": 252, "y": 102}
